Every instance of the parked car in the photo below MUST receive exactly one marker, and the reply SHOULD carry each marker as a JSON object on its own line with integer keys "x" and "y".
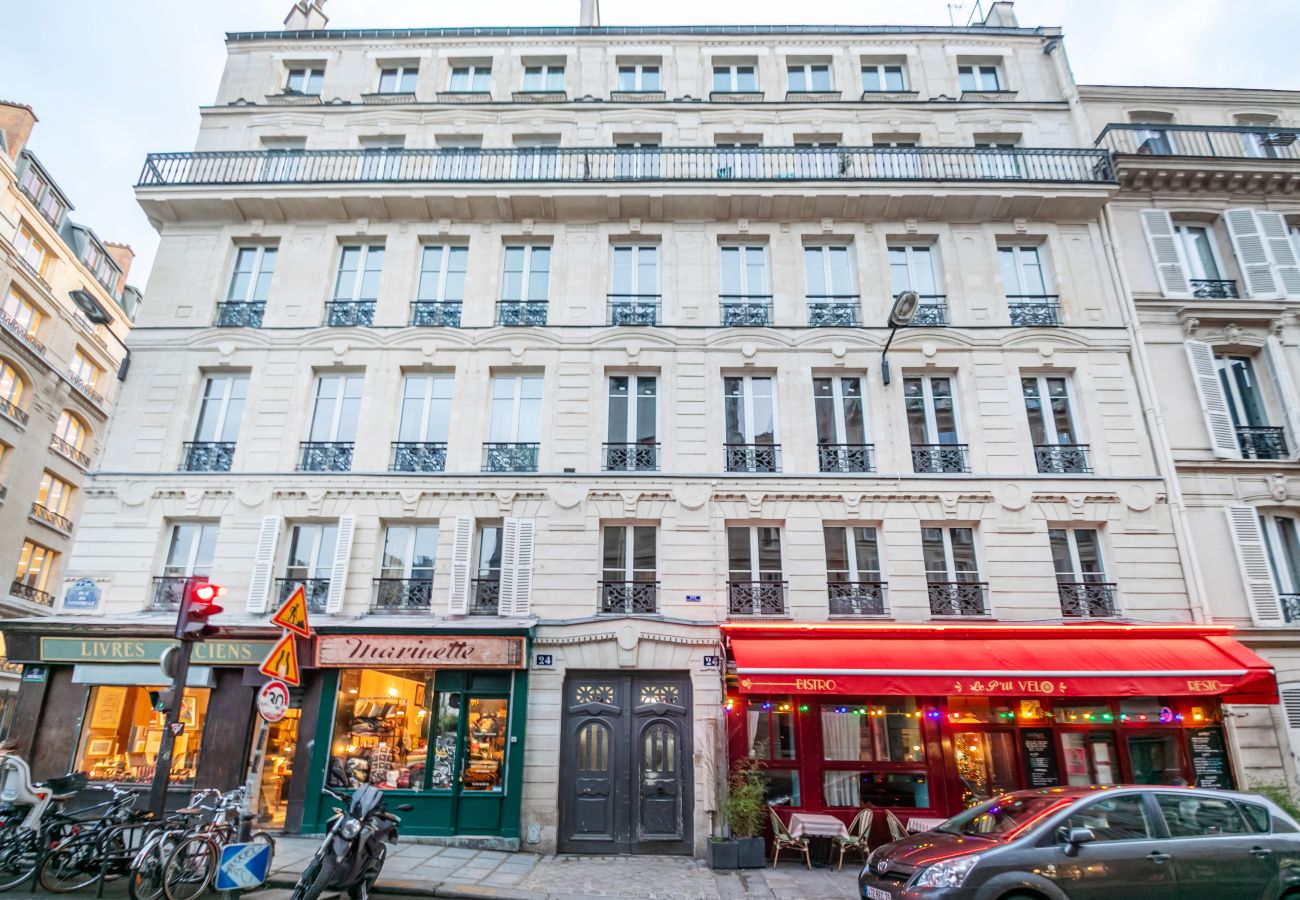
{"x": 1097, "y": 843}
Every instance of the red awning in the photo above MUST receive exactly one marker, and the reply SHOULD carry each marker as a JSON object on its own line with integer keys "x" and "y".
{"x": 985, "y": 660}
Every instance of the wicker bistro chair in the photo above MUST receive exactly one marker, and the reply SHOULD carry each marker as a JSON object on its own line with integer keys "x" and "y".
{"x": 897, "y": 831}
{"x": 783, "y": 840}
{"x": 859, "y": 837}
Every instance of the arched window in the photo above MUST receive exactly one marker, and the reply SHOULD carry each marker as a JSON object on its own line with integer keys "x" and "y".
{"x": 12, "y": 385}
{"x": 72, "y": 430}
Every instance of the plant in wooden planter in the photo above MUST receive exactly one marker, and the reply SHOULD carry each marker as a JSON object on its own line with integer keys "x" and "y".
{"x": 745, "y": 811}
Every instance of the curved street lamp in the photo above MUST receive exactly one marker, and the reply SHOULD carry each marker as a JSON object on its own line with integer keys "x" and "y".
{"x": 901, "y": 315}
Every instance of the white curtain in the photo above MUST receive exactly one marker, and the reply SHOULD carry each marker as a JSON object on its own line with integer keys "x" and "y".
{"x": 751, "y": 724}
{"x": 841, "y": 735}
{"x": 842, "y": 788}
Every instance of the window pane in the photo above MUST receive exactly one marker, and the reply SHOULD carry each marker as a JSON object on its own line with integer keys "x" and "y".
{"x": 539, "y": 273}
{"x": 643, "y": 548}
{"x": 963, "y": 553}
{"x": 738, "y": 559}
{"x": 837, "y": 553}
{"x": 646, "y": 409}
{"x": 1059, "y": 540}
{"x": 489, "y": 552}
{"x": 867, "y": 553}
{"x": 770, "y": 729}
{"x": 731, "y": 283}
{"x": 486, "y": 729}
{"x": 1119, "y": 819}
{"x": 122, "y": 735}
{"x": 769, "y": 550}
{"x": 615, "y": 552}
{"x": 894, "y": 78}
{"x": 899, "y": 790}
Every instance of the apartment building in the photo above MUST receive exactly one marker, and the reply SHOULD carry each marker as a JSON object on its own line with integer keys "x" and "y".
{"x": 65, "y": 310}
{"x": 550, "y": 363}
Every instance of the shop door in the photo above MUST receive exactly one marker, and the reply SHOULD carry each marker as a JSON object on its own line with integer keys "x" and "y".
{"x": 277, "y": 770}
{"x": 625, "y": 782}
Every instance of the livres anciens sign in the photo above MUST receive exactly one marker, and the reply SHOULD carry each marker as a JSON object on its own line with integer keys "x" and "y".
{"x": 430, "y": 650}
{"x": 146, "y": 650}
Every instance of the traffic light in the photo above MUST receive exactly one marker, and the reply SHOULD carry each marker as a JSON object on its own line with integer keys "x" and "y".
{"x": 199, "y": 604}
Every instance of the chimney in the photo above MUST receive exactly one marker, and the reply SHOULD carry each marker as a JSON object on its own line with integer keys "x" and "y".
{"x": 306, "y": 15}
{"x": 123, "y": 255}
{"x": 589, "y": 14}
{"x": 16, "y": 121}
{"x": 1002, "y": 15}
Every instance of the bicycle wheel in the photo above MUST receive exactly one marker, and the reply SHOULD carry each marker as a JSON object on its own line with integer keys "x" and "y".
{"x": 190, "y": 868}
{"x": 20, "y": 854}
{"x": 72, "y": 866}
{"x": 148, "y": 868}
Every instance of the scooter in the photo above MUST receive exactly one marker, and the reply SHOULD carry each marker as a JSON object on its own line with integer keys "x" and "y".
{"x": 353, "y": 852}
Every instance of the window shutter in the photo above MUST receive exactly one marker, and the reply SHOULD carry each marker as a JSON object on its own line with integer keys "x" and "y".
{"x": 1214, "y": 406}
{"x": 259, "y": 585}
{"x": 509, "y": 566}
{"x": 1252, "y": 557}
{"x": 523, "y": 585}
{"x": 461, "y": 547}
{"x": 1285, "y": 264}
{"x": 1290, "y": 694}
{"x": 1286, "y": 395}
{"x": 339, "y": 574}
{"x": 1159, "y": 228}
{"x": 1252, "y": 254}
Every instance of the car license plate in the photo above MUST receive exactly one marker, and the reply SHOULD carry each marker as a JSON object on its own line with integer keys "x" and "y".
{"x": 875, "y": 893}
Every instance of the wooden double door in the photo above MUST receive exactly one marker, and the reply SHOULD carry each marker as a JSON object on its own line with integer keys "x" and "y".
{"x": 626, "y": 773}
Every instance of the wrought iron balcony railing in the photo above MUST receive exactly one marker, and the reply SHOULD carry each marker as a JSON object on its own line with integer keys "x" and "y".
{"x": 20, "y": 331}
{"x": 86, "y": 388}
{"x": 403, "y": 594}
{"x": 67, "y": 451}
{"x": 350, "y": 313}
{"x": 1290, "y": 607}
{"x": 1214, "y": 289}
{"x": 521, "y": 312}
{"x": 30, "y": 593}
{"x": 600, "y": 164}
{"x": 419, "y": 456}
{"x": 932, "y": 312}
{"x": 856, "y": 598}
{"x": 485, "y": 596}
{"x": 325, "y": 456}
{"x": 846, "y": 457}
{"x": 633, "y": 309}
{"x": 940, "y": 459}
{"x": 1086, "y": 599}
{"x": 958, "y": 598}
{"x": 638, "y": 457}
{"x": 231, "y": 314}
{"x": 1231, "y": 141}
{"x": 629, "y": 598}
{"x": 168, "y": 591}
{"x": 1034, "y": 310}
{"x": 207, "y": 456}
{"x": 752, "y": 457}
{"x": 436, "y": 313}
{"x": 51, "y": 518}
{"x": 1062, "y": 459}
{"x": 748, "y": 309}
{"x": 833, "y": 310}
{"x": 1261, "y": 442}
{"x": 504, "y": 457}
{"x": 756, "y": 598}
{"x": 13, "y": 411}
{"x": 316, "y": 591}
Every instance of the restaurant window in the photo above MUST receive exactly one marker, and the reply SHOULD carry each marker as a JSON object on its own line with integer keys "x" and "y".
{"x": 1090, "y": 758}
{"x": 907, "y": 790}
{"x": 986, "y": 764}
{"x": 769, "y": 729}
{"x": 123, "y": 730}
{"x": 884, "y": 731}
{"x": 973, "y": 710}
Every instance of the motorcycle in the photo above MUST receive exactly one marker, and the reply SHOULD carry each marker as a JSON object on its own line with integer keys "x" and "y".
{"x": 353, "y": 852}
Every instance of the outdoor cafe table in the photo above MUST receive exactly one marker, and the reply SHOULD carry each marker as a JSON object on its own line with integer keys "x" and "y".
{"x": 918, "y": 824}
{"x": 816, "y": 825}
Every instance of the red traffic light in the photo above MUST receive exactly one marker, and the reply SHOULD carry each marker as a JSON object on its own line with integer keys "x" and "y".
{"x": 198, "y": 606}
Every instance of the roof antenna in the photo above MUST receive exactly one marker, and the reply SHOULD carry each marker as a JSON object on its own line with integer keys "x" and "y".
{"x": 952, "y": 8}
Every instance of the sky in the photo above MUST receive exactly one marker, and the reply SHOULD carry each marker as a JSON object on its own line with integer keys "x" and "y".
{"x": 129, "y": 77}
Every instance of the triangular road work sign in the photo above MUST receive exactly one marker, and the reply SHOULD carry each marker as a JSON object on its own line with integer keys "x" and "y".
{"x": 282, "y": 661}
{"x": 293, "y": 614}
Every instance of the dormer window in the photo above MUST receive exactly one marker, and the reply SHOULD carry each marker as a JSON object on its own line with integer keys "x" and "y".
{"x": 42, "y": 193}
{"x": 100, "y": 266}
{"x": 883, "y": 78}
{"x": 305, "y": 80}
{"x": 809, "y": 77}
{"x": 738, "y": 78}
{"x": 398, "y": 79}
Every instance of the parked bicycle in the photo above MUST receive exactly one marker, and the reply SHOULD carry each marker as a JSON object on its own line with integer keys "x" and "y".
{"x": 148, "y": 869}
{"x": 192, "y": 866}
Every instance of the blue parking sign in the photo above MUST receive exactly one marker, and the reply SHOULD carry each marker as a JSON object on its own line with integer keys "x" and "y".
{"x": 243, "y": 866}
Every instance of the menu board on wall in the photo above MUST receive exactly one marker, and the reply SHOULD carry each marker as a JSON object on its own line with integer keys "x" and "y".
{"x": 1040, "y": 758}
{"x": 1209, "y": 754}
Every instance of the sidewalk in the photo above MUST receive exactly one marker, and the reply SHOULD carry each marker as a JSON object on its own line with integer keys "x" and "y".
{"x": 424, "y": 870}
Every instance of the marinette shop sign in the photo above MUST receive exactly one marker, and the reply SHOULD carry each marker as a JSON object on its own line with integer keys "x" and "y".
{"x": 430, "y": 650}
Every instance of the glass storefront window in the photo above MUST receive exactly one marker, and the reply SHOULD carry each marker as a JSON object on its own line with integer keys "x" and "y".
{"x": 986, "y": 764}
{"x": 1090, "y": 758}
{"x": 769, "y": 726}
{"x": 782, "y": 787}
{"x": 446, "y": 725}
{"x": 122, "y": 732}
{"x": 281, "y": 743}
{"x": 1084, "y": 714}
{"x": 1156, "y": 758}
{"x": 485, "y": 764}
{"x": 380, "y": 729}
{"x": 976, "y": 710}
{"x": 909, "y": 790}
{"x": 888, "y": 732}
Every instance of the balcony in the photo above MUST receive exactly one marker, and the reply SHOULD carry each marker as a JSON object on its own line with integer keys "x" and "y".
{"x": 856, "y": 598}
{"x": 315, "y": 590}
{"x": 749, "y": 309}
{"x": 31, "y": 594}
{"x": 231, "y": 314}
{"x": 485, "y": 596}
{"x": 325, "y": 456}
{"x": 756, "y": 598}
{"x": 932, "y": 311}
{"x": 419, "y": 456}
{"x": 638, "y": 457}
{"x": 752, "y": 457}
{"x": 629, "y": 598}
{"x": 846, "y": 457}
{"x": 388, "y": 98}
{"x": 958, "y": 598}
{"x": 1086, "y": 599}
{"x": 633, "y": 309}
{"x": 86, "y": 388}
{"x": 507, "y": 457}
{"x": 20, "y": 332}
{"x": 539, "y": 97}
{"x": 350, "y": 313}
{"x": 1290, "y": 606}
{"x": 1261, "y": 442}
{"x": 401, "y": 595}
{"x": 67, "y": 451}
{"x": 435, "y": 313}
{"x": 1257, "y": 159}
{"x": 207, "y": 456}
{"x": 1062, "y": 459}
{"x": 13, "y": 412}
{"x": 51, "y": 518}
{"x": 169, "y": 590}
{"x": 940, "y": 459}
{"x": 833, "y": 310}
{"x": 1214, "y": 289}
{"x": 1034, "y": 310}
{"x": 521, "y": 312}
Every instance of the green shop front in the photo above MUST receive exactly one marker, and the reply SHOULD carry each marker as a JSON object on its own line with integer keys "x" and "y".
{"x": 434, "y": 719}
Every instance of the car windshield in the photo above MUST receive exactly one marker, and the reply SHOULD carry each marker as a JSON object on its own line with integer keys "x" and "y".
{"x": 1001, "y": 816}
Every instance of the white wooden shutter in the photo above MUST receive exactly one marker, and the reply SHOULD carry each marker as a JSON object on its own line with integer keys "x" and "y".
{"x": 259, "y": 585}
{"x": 1214, "y": 405}
{"x": 339, "y": 573}
{"x": 1290, "y": 694}
{"x": 461, "y": 549}
{"x": 523, "y": 587}
{"x": 1256, "y": 573}
{"x": 509, "y": 566}
{"x": 1286, "y": 395}
{"x": 1252, "y": 255}
{"x": 1159, "y": 228}
{"x": 1285, "y": 264}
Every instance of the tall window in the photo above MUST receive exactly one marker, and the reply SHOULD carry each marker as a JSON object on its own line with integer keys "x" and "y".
{"x": 358, "y": 275}
{"x": 633, "y": 423}
{"x": 915, "y": 267}
{"x": 741, "y": 78}
{"x": 35, "y": 565}
{"x": 250, "y": 282}
{"x": 85, "y": 371}
{"x": 527, "y": 274}
{"x": 636, "y": 271}
{"x": 828, "y": 272}
{"x": 305, "y": 80}
{"x": 398, "y": 79}
{"x": 952, "y": 571}
{"x": 221, "y": 408}
{"x": 475, "y": 78}
{"x": 749, "y": 417}
{"x": 11, "y": 385}
{"x": 489, "y": 554}
{"x": 31, "y": 250}
{"x": 979, "y": 78}
{"x": 334, "y": 414}
{"x": 931, "y": 412}
{"x": 311, "y": 556}
{"x": 410, "y": 552}
{"x": 1242, "y": 391}
{"x": 1197, "y": 252}
{"x": 883, "y": 77}
{"x": 55, "y": 495}
{"x": 442, "y": 274}
{"x": 190, "y": 550}
{"x": 756, "y": 581}
{"x": 1076, "y": 554}
{"x": 548, "y": 77}
{"x": 72, "y": 431}
{"x": 1022, "y": 271}
{"x": 852, "y": 554}
{"x": 638, "y": 77}
{"x": 1047, "y": 403}
{"x": 21, "y": 314}
{"x": 516, "y": 409}
{"x": 809, "y": 77}
{"x": 840, "y": 412}
{"x": 746, "y": 297}
{"x": 628, "y": 553}
{"x": 426, "y": 409}
{"x": 1282, "y": 540}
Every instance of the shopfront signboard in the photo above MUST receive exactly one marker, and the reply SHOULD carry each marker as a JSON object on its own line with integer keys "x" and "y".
{"x": 141, "y": 650}
{"x": 1209, "y": 754}
{"x": 420, "y": 650}
{"x": 1040, "y": 758}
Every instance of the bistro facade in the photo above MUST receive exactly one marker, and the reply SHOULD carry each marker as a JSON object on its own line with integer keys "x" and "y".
{"x": 929, "y": 720}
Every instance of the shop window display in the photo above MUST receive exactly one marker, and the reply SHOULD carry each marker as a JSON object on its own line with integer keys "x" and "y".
{"x": 123, "y": 731}
{"x": 888, "y": 731}
{"x": 769, "y": 726}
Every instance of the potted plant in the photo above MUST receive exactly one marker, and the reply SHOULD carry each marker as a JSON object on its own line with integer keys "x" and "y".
{"x": 745, "y": 809}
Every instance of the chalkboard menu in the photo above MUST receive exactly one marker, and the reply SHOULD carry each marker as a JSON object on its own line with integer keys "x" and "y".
{"x": 1209, "y": 758}
{"x": 1040, "y": 757}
